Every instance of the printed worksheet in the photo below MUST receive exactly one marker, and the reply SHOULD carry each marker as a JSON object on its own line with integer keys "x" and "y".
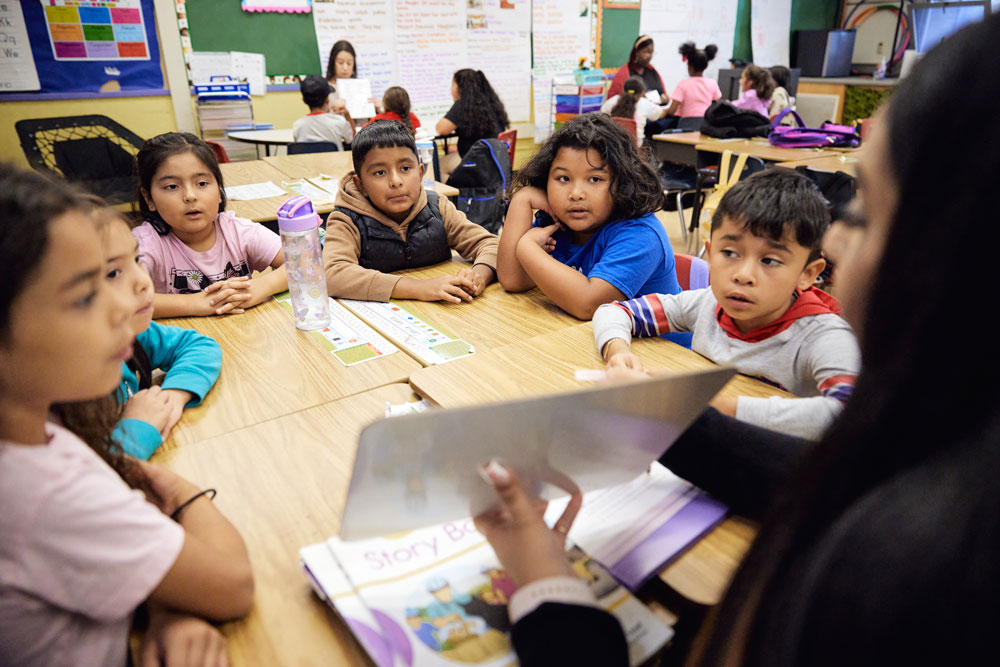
{"x": 421, "y": 339}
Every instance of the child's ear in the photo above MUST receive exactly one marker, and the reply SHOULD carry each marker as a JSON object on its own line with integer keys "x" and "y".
{"x": 358, "y": 184}
{"x": 149, "y": 200}
{"x": 708, "y": 247}
{"x": 810, "y": 273}
{"x": 422, "y": 169}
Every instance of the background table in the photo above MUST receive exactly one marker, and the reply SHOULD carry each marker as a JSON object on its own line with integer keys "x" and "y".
{"x": 760, "y": 147}
{"x": 845, "y": 162}
{"x": 271, "y": 369}
{"x": 677, "y": 147}
{"x": 336, "y": 164}
{"x": 266, "y": 138}
{"x": 255, "y": 171}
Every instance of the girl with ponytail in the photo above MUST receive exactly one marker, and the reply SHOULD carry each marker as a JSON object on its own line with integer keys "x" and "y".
{"x": 632, "y": 103}
{"x": 696, "y": 93}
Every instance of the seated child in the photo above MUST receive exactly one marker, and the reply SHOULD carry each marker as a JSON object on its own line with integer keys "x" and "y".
{"x": 758, "y": 87}
{"x": 695, "y": 94}
{"x": 761, "y": 313}
{"x": 780, "y": 99}
{"x": 199, "y": 255}
{"x": 633, "y": 104}
{"x": 385, "y": 221}
{"x": 595, "y": 238}
{"x": 396, "y": 103}
{"x": 191, "y": 360}
{"x": 320, "y": 124}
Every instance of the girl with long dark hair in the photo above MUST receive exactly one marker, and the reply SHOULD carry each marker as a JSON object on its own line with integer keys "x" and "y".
{"x": 476, "y": 114}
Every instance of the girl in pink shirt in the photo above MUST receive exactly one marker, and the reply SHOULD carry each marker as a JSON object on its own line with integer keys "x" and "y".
{"x": 200, "y": 256}
{"x": 694, "y": 95}
{"x": 81, "y": 549}
{"x": 757, "y": 85}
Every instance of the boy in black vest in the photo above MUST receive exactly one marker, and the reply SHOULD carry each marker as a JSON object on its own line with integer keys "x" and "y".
{"x": 384, "y": 221}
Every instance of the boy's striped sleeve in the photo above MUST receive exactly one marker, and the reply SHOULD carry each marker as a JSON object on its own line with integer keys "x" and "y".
{"x": 643, "y": 317}
{"x": 838, "y": 387}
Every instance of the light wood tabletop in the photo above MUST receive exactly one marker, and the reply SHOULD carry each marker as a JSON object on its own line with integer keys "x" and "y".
{"x": 845, "y": 162}
{"x": 338, "y": 164}
{"x": 271, "y": 369}
{"x": 760, "y": 147}
{"x": 687, "y": 138}
{"x": 254, "y": 171}
{"x": 494, "y": 318}
{"x": 283, "y": 483}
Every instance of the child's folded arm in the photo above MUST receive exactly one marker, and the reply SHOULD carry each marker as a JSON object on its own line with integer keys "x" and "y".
{"x": 510, "y": 273}
{"x": 345, "y": 277}
{"x": 192, "y": 361}
{"x": 572, "y": 291}
{"x": 471, "y": 241}
{"x": 137, "y": 438}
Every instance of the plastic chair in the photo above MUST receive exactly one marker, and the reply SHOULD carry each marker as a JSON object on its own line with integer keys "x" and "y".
{"x": 628, "y": 124}
{"x": 93, "y": 151}
{"x": 509, "y": 137}
{"x": 689, "y": 123}
{"x": 312, "y": 147}
{"x": 692, "y": 272}
{"x": 220, "y": 151}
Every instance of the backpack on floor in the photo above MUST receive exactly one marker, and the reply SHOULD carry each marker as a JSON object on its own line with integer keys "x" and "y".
{"x": 481, "y": 180}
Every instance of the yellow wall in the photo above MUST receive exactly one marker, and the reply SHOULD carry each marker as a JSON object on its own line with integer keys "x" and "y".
{"x": 146, "y": 116}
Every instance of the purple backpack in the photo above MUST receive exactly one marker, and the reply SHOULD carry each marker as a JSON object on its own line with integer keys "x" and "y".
{"x": 828, "y": 134}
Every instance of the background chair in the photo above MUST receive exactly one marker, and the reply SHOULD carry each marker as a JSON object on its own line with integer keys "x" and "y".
{"x": 629, "y": 126}
{"x": 692, "y": 272}
{"x": 219, "y": 150}
{"x": 93, "y": 151}
{"x": 680, "y": 182}
{"x": 312, "y": 147}
{"x": 509, "y": 137}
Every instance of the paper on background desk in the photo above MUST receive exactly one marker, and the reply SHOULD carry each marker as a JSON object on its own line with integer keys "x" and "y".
{"x": 349, "y": 339}
{"x": 421, "y": 339}
{"x": 327, "y": 183}
{"x": 254, "y": 191}
{"x": 318, "y": 196}
{"x": 357, "y": 94}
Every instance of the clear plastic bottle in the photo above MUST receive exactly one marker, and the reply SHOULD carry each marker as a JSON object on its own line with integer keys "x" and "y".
{"x": 425, "y": 151}
{"x": 298, "y": 225}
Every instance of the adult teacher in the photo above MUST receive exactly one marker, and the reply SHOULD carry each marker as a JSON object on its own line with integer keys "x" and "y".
{"x": 880, "y": 544}
{"x": 640, "y": 64}
{"x": 341, "y": 65}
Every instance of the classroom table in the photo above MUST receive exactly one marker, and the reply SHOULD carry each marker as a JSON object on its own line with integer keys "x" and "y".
{"x": 845, "y": 162}
{"x": 271, "y": 369}
{"x": 266, "y": 138}
{"x": 283, "y": 484}
{"x": 255, "y": 171}
{"x": 336, "y": 164}
{"x": 678, "y": 147}
{"x": 760, "y": 147}
{"x": 494, "y": 318}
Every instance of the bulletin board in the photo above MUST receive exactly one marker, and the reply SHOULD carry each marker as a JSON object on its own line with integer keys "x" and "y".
{"x": 94, "y": 47}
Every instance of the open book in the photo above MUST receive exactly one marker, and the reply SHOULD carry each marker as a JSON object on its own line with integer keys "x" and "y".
{"x": 438, "y": 596}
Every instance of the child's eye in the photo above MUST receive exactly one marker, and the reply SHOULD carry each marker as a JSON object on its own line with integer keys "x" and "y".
{"x": 379, "y": 172}
{"x": 771, "y": 261}
{"x": 170, "y": 186}
{"x": 596, "y": 179}
{"x": 406, "y": 167}
{"x": 562, "y": 179}
{"x": 202, "y": 183}
{"x": 86, "y": 301}
{"x": 112, "y": 274}
{"x": 728, "y": 253}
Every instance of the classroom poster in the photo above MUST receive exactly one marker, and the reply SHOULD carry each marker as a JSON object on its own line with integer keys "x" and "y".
{"x": 770, "y": 31}
{"x": 672, "y": 22}
{"x": 109, "y": 30}
{"x": 561, "y": 36}
{"x": 17, "y": 68}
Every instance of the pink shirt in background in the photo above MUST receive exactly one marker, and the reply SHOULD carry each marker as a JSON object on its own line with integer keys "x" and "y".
{"x": 80, "y": 551}
{"x": 749, "y": 100}
{"x": 695, "y": 94}
{"x": 241, "y": 247}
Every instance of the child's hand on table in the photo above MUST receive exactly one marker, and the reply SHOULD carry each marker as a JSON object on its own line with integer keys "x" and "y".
{"x": 230, "y": 296}
{"x": 161, "y": 408}
{"x": 525, "y": 546}
{"x": 453, "y": 289}
{"x": 178, "y": 639}
{"x": 479, "y": 276}
{"x": 725, "y": 404}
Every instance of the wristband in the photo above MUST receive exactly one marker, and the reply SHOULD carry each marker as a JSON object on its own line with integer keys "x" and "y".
{"x": 180, "y": 508}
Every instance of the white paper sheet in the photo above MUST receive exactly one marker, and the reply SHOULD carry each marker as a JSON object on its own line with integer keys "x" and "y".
{"x": 253, "y": 191}
{"x": 17, "y": 66}
{"x": 253, "y": 68}
{"x": 357, "y": 94}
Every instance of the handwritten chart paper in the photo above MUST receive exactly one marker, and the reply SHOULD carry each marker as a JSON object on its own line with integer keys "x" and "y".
{"x": 17, "y": 66}
{"x": 111, "y": 30}
{"x": 561, "y": 37}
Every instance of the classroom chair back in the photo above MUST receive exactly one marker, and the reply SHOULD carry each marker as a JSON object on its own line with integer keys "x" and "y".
{"x": 509, "y": 137}
{"x": 312, "y": 147}
{"x": 629, "y": 125}
{"x": 93, "y": 151}
{"x": 219, "y": 150}
{"x": 692, "y": 272}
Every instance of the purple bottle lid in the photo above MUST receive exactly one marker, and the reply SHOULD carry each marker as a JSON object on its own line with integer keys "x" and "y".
{"x": 297, "y": 215}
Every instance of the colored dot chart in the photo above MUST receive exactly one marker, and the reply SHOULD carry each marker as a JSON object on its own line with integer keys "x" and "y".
{"x": 81, "y": 30}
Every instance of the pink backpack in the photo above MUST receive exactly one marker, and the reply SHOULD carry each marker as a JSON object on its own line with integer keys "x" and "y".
{"x": 828, "y": 134}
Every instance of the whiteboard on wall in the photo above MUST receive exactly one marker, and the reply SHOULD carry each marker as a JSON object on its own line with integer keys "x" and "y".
{"x": 672, "y": 22}
{"x": 419, "y": 44}
{"x": 770, "y": 31}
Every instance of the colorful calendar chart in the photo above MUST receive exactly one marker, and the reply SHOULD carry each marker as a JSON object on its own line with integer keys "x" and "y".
{"x": 83, "y": 30}
{"x": 349, "y": 339}
{"x": 424, "y": 341}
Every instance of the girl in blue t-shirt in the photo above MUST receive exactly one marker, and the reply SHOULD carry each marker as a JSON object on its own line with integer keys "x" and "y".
{"x": 595, "y": 238}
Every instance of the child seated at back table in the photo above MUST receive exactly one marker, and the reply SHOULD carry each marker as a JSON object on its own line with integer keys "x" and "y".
{"x": 758, "y": 87}
{"x": 320, "y": 124}
{"x": 761, "y": 313}
{"x": 385, "y": 221}
{"x": 595, "y": 238}
{"x": 695, "y": 94}
{"x": 396, "y": 102}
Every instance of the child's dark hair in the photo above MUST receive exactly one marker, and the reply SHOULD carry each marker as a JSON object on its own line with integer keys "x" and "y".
{"x": 635, "y": 187}
{"x": 772, "y": 201}
{"x": 483, "y": 114}
{"x": 760, "y": 80}
{"x": 153, "y": 153}
{"x": 633, "y": 89}
{"x": 382, "y": 133}
{"x": 315, "y": 91}
{"x": 397, "y": 101}
{"x": 342, "y": 45}
{"x": 780, "y": 74}
{"x": 697, "y": 59}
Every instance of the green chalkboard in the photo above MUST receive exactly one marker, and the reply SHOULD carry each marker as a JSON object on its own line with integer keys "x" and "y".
{"x": 619, "y": 29}
{"x": 287, "y": 40}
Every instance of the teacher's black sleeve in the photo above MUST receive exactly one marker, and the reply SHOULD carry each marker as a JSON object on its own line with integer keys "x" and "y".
{"x": 568, "y": 634}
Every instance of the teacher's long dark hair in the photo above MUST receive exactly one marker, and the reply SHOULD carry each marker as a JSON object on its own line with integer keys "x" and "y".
{"x": 925, "y": 411}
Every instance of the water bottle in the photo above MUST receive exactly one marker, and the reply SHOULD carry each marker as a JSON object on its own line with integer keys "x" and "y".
{"x": 425, "y": 151}
{"x": 299, "y": 228}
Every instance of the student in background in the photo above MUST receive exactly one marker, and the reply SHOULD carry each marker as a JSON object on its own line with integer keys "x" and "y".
{"x": 633, "y": 104}
{"x": 476, "y": 114}
{"x": 384, "y": 221}
{"x": 595, "y": 238}
{"x": 81, "y": 549}
{"x": 190, "y": 360}
{"x": 758, "y": 87}
{"x": 199, "y": 255}
{"x": 695, "y": 94}
{"x": 396, "y": 103}
{"x": 879, "y": 545}
{"x": 319, "y": 124}
{"x": 761, "y": 314}
{"x": 780, "y": 99}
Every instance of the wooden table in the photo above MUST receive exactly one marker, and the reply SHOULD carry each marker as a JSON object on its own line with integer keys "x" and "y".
{"x": 845, "y": 162}
{"x": 266, "y": 138}
{"x": 271, "y": 369}
{"x": 283, "y": 484}
{"x": 677, "y": 147}
{"x": 761, "y": 148}
{"x": 255, "y": 171}
{"x": 494, "y": 318}
{"x": 337, "y": 164}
